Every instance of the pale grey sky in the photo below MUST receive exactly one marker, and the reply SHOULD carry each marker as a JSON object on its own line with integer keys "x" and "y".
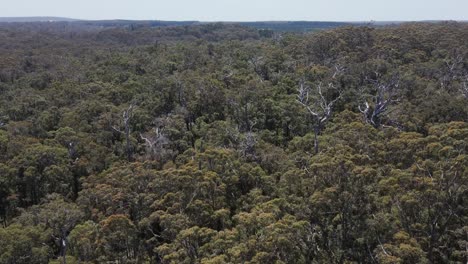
{"x": 241, "y": 10}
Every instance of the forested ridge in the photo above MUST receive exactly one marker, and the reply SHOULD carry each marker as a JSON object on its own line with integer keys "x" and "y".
{"x": 219, "y": 143}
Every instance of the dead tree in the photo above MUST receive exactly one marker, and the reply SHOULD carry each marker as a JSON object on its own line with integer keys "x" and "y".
{"x": 452, "y": 70}
{"x": 126, "y": 118}
{"x": 155, "y": 143}
{"x": 248, "y": 143}
{"x": 454, "y": 76}
{"x": 384, "y": 93}
{"x": 454, "y": 73}
{"x": 319, "y": 107}
{"x": 3, "y": 123}
{"x": 464, "y": 87}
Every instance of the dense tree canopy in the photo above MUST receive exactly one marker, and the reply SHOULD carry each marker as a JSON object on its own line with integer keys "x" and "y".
{"x": 224, "y": 144}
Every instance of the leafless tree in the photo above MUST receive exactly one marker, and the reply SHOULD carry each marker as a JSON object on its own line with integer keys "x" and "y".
{"x": 454, "y": 73}
{"x": 452, "y": 70}
{"x": 247, "y": 145}
{"x": 156, "y": 140}
{"x": 155, "y": 143}
{"x": 384, "y": 93}
{"x": 2, "y": 123}
{"x": 454, "y": 76}
{"x": 464, "y": 86}
{"x": 126, "y": 118}
{"x": 339, "y": 69}
{"x": 318, "y": 106}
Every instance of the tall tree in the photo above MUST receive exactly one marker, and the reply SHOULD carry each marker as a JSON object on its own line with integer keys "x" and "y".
{"x": 383, "y": 94}
{"x": 318, "y": 106}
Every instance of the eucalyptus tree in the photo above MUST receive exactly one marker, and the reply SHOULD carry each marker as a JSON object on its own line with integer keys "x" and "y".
{"x": 318, "y": 106}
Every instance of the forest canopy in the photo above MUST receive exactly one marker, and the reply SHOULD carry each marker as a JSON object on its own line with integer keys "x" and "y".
{"x": 219, "y": 143}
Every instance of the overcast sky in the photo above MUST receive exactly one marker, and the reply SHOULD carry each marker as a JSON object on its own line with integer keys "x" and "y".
{"x": 241, "y": 10}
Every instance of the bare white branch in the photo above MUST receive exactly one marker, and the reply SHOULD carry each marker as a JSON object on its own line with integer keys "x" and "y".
{"x": 464, "y": 86}
{"x": 384, "y": 94}
{"x": 156, "y": 141}
{"x": 126, "y": 117}
{"x": 317, "y": 104}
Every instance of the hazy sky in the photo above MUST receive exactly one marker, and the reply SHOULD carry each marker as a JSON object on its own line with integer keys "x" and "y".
{"x": 241, "y": 10}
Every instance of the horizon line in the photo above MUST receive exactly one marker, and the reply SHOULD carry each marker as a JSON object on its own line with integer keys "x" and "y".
{"x": 222, "y": 21}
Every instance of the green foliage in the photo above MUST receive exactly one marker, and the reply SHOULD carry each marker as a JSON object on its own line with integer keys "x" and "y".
{"x": 190, "y": 144}
{"x": 83, "y": 241}
{"x": 118, "y": 238}
{"x": 22, "y": 244}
